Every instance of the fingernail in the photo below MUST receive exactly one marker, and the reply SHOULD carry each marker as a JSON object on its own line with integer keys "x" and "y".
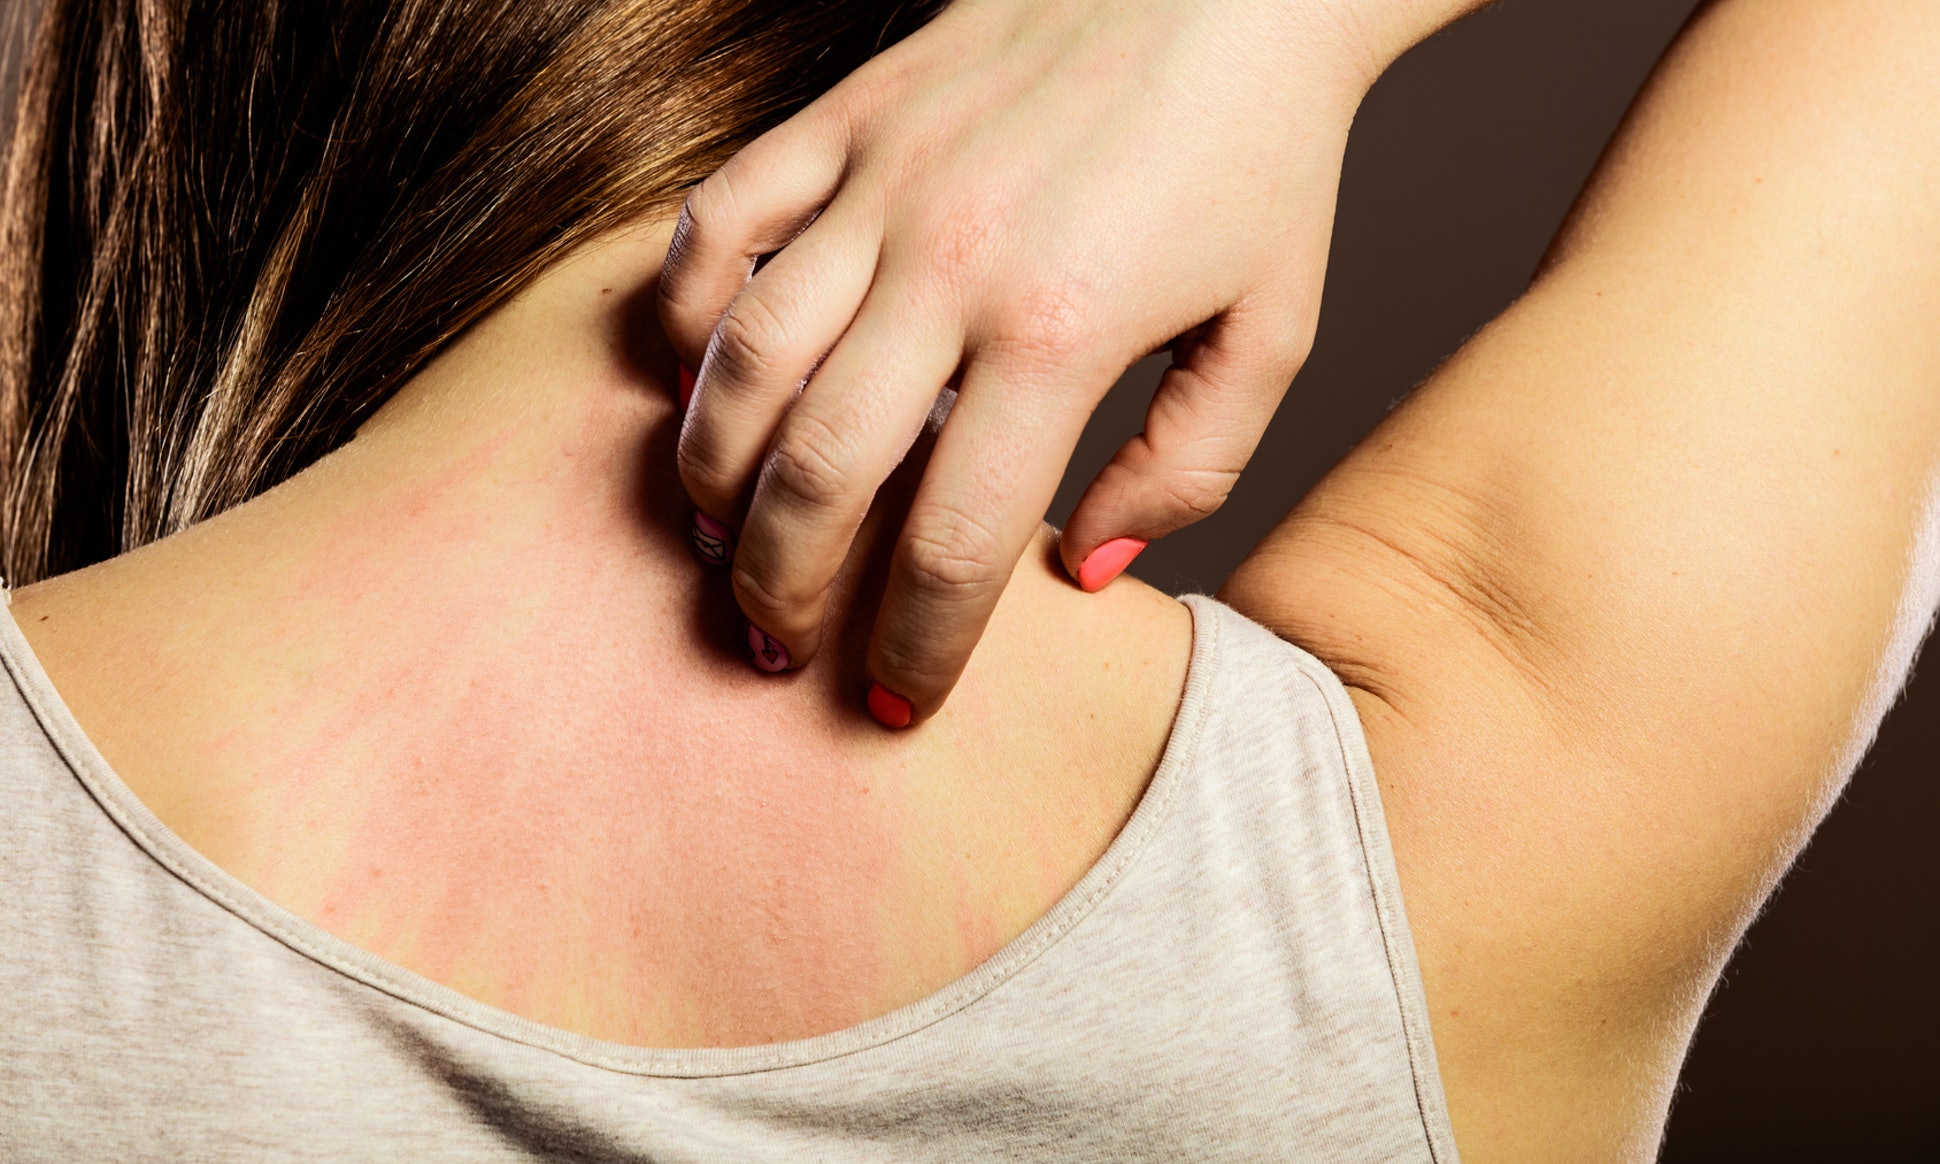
{"x": 1109, "y": 561}
{"x": 713, "y": 541}
{"x": 890, "y": 709}
{"x": 687, "y": 379}
{"x": 769, "y": 654}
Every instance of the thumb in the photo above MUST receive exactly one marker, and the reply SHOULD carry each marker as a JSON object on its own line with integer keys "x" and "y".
{"x": 1211, "y": 408}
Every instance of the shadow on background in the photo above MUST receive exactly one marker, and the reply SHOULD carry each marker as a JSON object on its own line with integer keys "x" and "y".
{"x": 1463, "y": 162}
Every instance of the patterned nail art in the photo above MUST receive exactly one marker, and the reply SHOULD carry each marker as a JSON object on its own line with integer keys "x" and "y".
{"x": 769, "y": 654}
{"x": 713, "y": 541}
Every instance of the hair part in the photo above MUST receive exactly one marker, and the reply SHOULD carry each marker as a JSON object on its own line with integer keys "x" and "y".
{"x": 231, "y": 229}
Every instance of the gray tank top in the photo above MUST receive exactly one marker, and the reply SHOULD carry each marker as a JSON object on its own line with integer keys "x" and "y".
{"x": 1233, "y": 981}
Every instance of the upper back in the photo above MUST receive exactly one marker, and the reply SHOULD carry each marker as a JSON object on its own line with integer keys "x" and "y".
{"x": 461, "y": 694}
{"x": 1231, "y": 980}
{"x": 544, "y": 792}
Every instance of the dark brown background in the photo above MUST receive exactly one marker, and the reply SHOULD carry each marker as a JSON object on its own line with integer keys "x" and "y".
{"x": 1820, "y": 1045}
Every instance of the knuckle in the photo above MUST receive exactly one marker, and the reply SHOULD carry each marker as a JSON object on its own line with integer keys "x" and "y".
{"x": 865, "y": 94}
{"x": 810, "y": 463}
{"x": 1281, "y": 335}
{"x": 1198, "y": 493}
{"x": 955, "y": 562}
{"x": 710, "y": 206}
{"x": 916, "y": 662}
{"x": 911, "y": 668}
{"x": 1290, "y": 349}
{"x": 962, "y": 239}
{"x": 1052, "y": 324}
{"x": 750, "y": 341}
{"x": 704, "y": 471}
{"x": 762, "y": 597}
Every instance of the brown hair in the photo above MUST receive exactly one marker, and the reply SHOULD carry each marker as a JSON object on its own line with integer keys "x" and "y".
{"x": 232, "y": 228}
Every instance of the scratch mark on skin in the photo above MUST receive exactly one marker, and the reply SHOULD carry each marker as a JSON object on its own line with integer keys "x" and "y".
{"x": 535, "y": 782}
{"x": 597, "y": 854}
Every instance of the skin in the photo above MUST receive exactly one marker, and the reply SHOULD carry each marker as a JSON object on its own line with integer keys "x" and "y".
{"x": 461, "y": 694}
{"x": 1625, "y": 590}
{"x": 1621, "y": 595}
{"x": 982, "y": 206}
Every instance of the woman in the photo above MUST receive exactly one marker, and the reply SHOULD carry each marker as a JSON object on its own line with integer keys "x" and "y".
{"x": 424, "y": 801}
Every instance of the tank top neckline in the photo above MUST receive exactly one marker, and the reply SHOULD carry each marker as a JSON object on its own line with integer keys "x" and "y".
{"x": 160, "y": 843}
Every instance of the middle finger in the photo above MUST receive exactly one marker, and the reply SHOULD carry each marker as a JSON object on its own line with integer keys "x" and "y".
{"x": 833, "y": 450}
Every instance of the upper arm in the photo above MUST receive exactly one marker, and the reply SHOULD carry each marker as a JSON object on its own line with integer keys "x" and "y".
{"x": 1626, "y": 587}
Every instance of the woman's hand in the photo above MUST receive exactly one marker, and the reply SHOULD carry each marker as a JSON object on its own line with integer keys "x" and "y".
{"x": 1020, "y": 200}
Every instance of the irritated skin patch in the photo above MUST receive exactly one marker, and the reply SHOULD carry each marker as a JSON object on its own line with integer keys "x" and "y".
{"x": 569, "y": 820}
{"x": 451, "y": 696}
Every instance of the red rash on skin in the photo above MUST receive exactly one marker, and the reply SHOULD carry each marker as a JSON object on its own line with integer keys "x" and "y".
{"x": 446, "y": 695}
{"x": 619, "y": 821}
{"x": 978, "y": 930}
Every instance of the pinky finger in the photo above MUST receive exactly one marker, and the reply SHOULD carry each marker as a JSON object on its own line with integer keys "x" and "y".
{"x": 754, "y": 205}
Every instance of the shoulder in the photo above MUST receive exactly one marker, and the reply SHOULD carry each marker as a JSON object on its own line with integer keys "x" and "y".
{"x": 1560, "y": 998}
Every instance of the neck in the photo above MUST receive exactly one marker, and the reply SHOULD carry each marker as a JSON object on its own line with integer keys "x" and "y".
{"x": 460, "y": 693}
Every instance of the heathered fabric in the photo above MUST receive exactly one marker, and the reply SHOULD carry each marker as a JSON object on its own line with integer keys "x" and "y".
{"x": 1233, "y": 981}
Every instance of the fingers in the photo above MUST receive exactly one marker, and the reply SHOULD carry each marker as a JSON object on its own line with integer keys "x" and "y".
{"x": 831, "y": 453}
{"x": 752, "y": 206}
{"x": 982, "y": 499}
{"x": 1211, "y": 409}
{"x": 762, "y": 351}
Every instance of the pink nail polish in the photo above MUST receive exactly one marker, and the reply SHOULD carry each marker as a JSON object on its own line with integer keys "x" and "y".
{"x": 769, "y": 654}
{"x": 1109, "y": 561}
{"x": 890, "y": 709}
{"x": 713, "y": 542}
{"x": 687, "y": 379}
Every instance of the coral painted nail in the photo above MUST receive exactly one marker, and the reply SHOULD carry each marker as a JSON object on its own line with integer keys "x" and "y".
{"x": 769, "y": 654}
{"x": 1109, "y": 561}
{"x": 713, "y": 541}
{"x": 890, "y": 709}
{"x": 687, "y": 379}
